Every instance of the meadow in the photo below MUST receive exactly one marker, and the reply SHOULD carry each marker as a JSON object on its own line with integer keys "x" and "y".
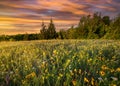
{"x": 60, "y": 63}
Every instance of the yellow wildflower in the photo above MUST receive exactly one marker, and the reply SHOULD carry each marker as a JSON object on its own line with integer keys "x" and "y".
{"x": 55, "y": 52}
{"x": 113, "y": 85}
{"x": 103, "y": 58}
{"x": 79, "y": 71}
{"x": 61, "y": 75}
{"x": 46, "y": 70}
{"x": 89, "y": 60}
{"x": 75, "y": 70}
{"x": 44, "y": 54}
{"x": 104, "y": 67}
{"x": 92, "y": 81}
{"x": 31, "y": 75}
{"x": 112, "y": 70}
{"x": 102, "y": 73}
{"x": 67, "y": 63}
{"x": 27, "y": 76}
{"x": 58, "y": 77}
{"x": 43, "y": 64}
{"x": 23, "y": 82}
{"x": 43, "y": 78}
{"x": 71, "y": 73}
{"x": 85, "y": 79}
{"x": 74, "y": 82}
{"x": 118, "y": 69}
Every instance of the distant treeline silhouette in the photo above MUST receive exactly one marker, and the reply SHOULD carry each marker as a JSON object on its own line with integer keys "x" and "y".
{"x": 93, "y": 26}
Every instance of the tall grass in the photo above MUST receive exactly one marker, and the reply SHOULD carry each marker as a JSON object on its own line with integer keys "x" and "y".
{"x": 60, "y": 63}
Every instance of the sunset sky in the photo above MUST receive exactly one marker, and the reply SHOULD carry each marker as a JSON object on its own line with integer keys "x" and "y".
{"x": 25, "y": 16}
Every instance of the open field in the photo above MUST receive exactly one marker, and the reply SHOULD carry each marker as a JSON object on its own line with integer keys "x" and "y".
{"x": 60, "y": 63}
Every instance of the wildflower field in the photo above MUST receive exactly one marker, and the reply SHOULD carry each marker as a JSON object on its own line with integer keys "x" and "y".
{"x": 60, "y": 63}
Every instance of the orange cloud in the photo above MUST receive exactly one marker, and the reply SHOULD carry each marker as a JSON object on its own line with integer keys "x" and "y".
{"x": 107, "y": 8}
{"x": 27, "y": 14}
{"x": 65, "y": 5}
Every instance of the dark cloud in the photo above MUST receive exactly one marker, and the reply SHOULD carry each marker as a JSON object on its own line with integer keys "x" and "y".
{"x": 30, "y": 13}
{"x": 118, "y": 1}
{"x": 19, "y": 1}
{"x": 57, "y": 14}
{"x": 19, "y": 13}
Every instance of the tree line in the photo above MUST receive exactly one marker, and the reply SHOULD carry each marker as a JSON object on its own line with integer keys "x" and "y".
{"x": 89, "y": 27}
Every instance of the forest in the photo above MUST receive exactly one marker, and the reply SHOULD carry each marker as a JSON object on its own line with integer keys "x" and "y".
{"x": 93, "y": 26}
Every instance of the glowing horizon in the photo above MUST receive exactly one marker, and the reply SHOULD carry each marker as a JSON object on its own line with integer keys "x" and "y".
{"x": 25, "y": 16}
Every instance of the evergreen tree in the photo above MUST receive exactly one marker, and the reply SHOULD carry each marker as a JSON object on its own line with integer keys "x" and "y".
{"x": 106, "y": 20}
{"x": 82, "y": 29}
{"x": 51, "y": 30}
{"x": 43, "y": 31}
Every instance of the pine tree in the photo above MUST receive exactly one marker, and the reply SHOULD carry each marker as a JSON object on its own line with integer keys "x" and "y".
{"x": 51, "y": 30}
{"x": 43, "y": 31}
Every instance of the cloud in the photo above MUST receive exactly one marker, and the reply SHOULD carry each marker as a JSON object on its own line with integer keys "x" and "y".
{"x": 107, "y": 8}
{"x": 27, "y": 14}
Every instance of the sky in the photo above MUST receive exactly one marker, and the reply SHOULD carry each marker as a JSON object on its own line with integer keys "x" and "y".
{"x": 25, "y": 16}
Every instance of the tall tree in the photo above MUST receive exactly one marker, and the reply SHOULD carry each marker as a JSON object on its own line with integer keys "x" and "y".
{"x": 51, "y": 30}
{"x": 43, "y": 31}
{"x": 62, "y": 34}
{"x": 106, "y": 20}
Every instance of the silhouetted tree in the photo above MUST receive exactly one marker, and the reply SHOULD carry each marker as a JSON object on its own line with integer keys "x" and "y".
{"x": 51, "y": 30}
{"x": 106, "y": 20}
{"x": 43, "y": 31}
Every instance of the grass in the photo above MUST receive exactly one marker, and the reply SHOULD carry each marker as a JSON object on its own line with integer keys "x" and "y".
{"x": 60, "y": 63}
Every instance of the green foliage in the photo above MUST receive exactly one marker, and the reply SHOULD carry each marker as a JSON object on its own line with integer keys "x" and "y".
{"x": 51, "y": 30}
{"x": 49, "y": 33}
{"x": 71, "y": 33}
{"x": 106, "y": 20}
{"x": 43, "y": 31}
{"x": 93, "y": 26}
{"x": 60, "y": 63}
{"x": 113, "y": 32}
{"x": 62, "y": 34}
{"x": 96, "y": 27}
